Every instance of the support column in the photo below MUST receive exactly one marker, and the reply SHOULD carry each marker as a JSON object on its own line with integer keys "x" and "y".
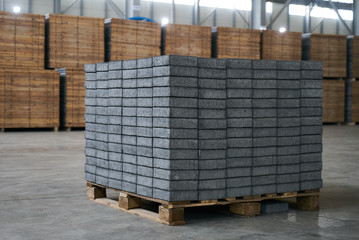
{"x": 106, "y": 9}
{"x": 129, "y": 8}
{"x": 337, "y": 27}
{"x": 306, "y": 27}
{"x": 234, "y": 18}
{"x": 356, "y": 17}
{"x": 29, "y": 6}
{"x": 173, "y": 12}
{"x": 196, "y": 12}
{"x": 57, "y": 6}
{"x": 256, "y": 14}
{"x": 81, "y": 7}
{"x": 288, "y": 20}
{"x": 151, "y": 10}
{"x": 215, "y": 18}
{"x": 322, "y": 27}
{"x": 1, "y": 5}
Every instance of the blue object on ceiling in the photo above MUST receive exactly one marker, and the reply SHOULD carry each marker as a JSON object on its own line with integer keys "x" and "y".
{"x": 144, "y": 19}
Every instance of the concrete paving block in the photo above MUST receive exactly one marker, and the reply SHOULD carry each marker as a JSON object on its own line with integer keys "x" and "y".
{"x": 91, "y": 93}
{"x": 173, "y": 154}
{"x": 289, "y": 168}
{"x": 129, "y": 149}
{"x": 144, "y": 112}
{"x": 144, "y": 191}
{"x": 115, "y": 147}
{"x": 144, "y": 102}
{"x": 90, "y": 110}
{"x": 144, "y": 73}
{"x": 144, "y": 63}
{"x": 175, "y": 81}
{"x": 90, "y": 84}
{"x": 102, "y": 67}
{"x": 264, "y": 151}
{"x": 263, "y": 170}
{"x": 90, "y": 68}
{"x": 264, "y": 64}
{"x": 238, "y": 191}
{"x": 265, "y": 84}
{"x": 209, "y": 83}
{"x": 212, "y": 164}
{"x": 212, "y": 73}
{"x": 144, "y": 141}
{"x": 311, "y": 130}
{"x": 212, "y": 144}
{"x": 115, "y": 93}
{"x": 212, "y": 94}
{"x": 144, "y": 181}
{"x": 311, "y": 93}
{"x": 129, "y": 93}
{"x": 161, "y": 133}
{"x": 175, "y": 143}
{"x": 101, "y": 137}
{"x": 129, "y": 187}
{"x": 264, "y": 161}
{"x": 289, "y": 141}
{"x": 212, "y": 124}
{"x": 145, "y": 161}
{"x": 90, "y": 177}
{"x": 206, "y": 174}
{"x": 115, "y": 120}
{"x": 309, "y": 185}
{"x": 100, "y": 171}
{"x": 102, "y": 111}
{"x": 265, "y": 112}
{"x": 288, "y": 131}
{"x": 235, "y": 123}
{"x": 288, "y": 74}
{"x": 291, "y": 159}
{"x": 101, "y": 76}
{"x": 263, "y": 180}
{"x": 311, "y": 148}
{"x": 115, "y": 65}
{"x": 265, "y": 74}
{"x": 311, "y": 121}
{"x": 144, "y": 82}
{"x": 129, "y": 121}
{"x": 265, "y": 122}
{"x": 101, "y": 146}
{"x": 305, "y": 83}
{"x": 288, "y": 187}
{"x": 112, "y": 111}
{"x": 264, "y": 132}
{"x": 288, "y": 84}
{"x": 114, "y": 174}
{"x": 239, "y": 152}
{"x": 239, "y": 172}
{"x": 129, "y": 74}
{"x": 174, "y": 60}
{"x": 129, "y": 64}
{"x": 239, "y": 83}
{"x": 91, "y": 160}
{"x": 212, "y": 154}
{"x": 289, "y": 122}
{"x": 239, "y": 162}
{"x": 238, "y": 182}
{"x": 239, "y": 93}
{"x": 239, "y": 73}
{"x": 311, "y": 74}
{"x": 115, "y": 156}
{"x": 175, "y": 164}
{"x": 175, "y": 174}
{"x": 273, "y": 206}
{"x": 311, "y": 111}
{"x": 145, "y": 171}
{"x": 115, "y": 83}
{"x": 129, "y": 83}
{"x": 144, "y": 151}
{"x": 264, "y": 189}
{"x": 90, "y": 168}
{"x": 144, "y": 92}
{"x": 102, "y": 180}
{"x": 289, "y": 112}
{"x": 264, "y": 142}
{"x": 214, "y": 63}
{"x": 129, "y": 111}
{"x": 91, "y": 77}
{"x": 239, "y": 142}
{"x": 310, "y": 166}
{"x": 239, "y": 113}
{"x": 287, "y": 178}
{"x": 311, "y": 139}
{"x": 129, "y": 140}
{"x": 238, "y": 103}
{"x": 90, "y": 101}
{"x": 211, "y": 194}
{"x": 102, "y": 102}
{"x": 309, "y": 176}
{"x": 129, "y": 131}
{"x": 265, "y": 93}
{"x": 288, "y": 65}
{"x": 129, "y": 168}
{"x": 161, "y": 92}
{"x": 288, "y": 93}
{"x": 115, "y": 74}
{"x": 288, "y": 150}
{"x": 129, "y": 102}
{"x": 175, "y": 185}
{"x": 210, "y": 114}
{"x": 90, "y": 118}
{"x": 116, "y": 184}
{"x": 288, "y": 103}
{"x": 239, "y": 63}
{"x": 311, "y": 65}
{"x": 212, "y": 184}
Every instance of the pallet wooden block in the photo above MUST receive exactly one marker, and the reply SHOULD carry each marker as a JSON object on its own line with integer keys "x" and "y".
{"x": 74, "y": 41}
{"x": 333, "y": 101}
{"x": 187, "y": 40}
{"x": 172, "y": 213}
{"x": 22, "y": 40}
{"x": 281, "y": 46}
{"x": 236, "y": 43}
{"x": 29, "y": 98}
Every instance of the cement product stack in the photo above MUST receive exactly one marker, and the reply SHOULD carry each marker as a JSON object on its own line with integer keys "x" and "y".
{"x": 351, "y": 83}
{"x": 181, "y": 128}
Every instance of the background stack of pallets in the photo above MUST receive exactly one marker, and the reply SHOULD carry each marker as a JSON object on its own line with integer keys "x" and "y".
{"x": 281, "y": 46}
{"x": 235, "y": 43}
{"x": 352, "y": 85}
{"x": 331, "y": 50}
{"x": 29, "y": 95}
{"x": 128, "y": 39}
{"x": 187, "y": 40}
{"x": 70, "y": 43}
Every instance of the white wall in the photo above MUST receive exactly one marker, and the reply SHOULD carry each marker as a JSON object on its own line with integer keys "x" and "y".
{"x": 184, "y": 13}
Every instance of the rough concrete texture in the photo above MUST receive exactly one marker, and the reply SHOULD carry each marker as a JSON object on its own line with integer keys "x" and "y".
{"x": 43, "y": 196}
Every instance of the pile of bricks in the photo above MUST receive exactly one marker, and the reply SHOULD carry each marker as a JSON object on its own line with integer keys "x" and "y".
{"x": 185, "y": 128}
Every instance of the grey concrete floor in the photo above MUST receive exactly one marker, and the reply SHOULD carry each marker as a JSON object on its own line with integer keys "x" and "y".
{"x": 42, "y": 196}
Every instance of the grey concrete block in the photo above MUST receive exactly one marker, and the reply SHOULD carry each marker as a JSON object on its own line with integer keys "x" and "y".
{"x": 309, "y": 176}
{"x": 212, "y": 73}
{"x": 273, "y": 206}
{"x": 310, "y": 166}
{"x": 101, "y": 76}
{"x": 212, "y": 144}
{"x": 129, "y": 74}
{"x": 144, "y": 191}
{"x": 265, "y": 74}
{"x": 291, "y": 159}
{"x": 179, "y": 71}
{"x": 103, "y": 172}
{"x": 289, "y": 112}
{"x": 113, "y": 111}
{"x": 263, "y": 170}
{"x": 144, "y": 63}
{"x": 309, "y": 185}
{"x": 212, "y": 164}
{"x": 290, "y": 168}
{"x": 289, "y": 122}
{"x": 311, "y": 148}
{"x": 90, "y": 168}
{"x": 239, "y": 113}
{"x": 239, "y": 93}
{"x": 102, "y": 180}
{"x": 238, "y": 182}
{"x": 117, "y": 93}
{"x": 144, "y": 181}
{"x": 144, "y": 92}
{"x": 129, "y": 83}
{"x": 175, "y": 154}
{"x": 129, "y": 111}
{"x": 175, "y": 174}
{"x": 264, "y": 151}
{"x": 265, "y": 112}
{"x": 129, "y": 64}
{"x": 175, "y": 143}
{"x": 129, "y": 168}
{"x": 115, "y": 65}
{"x": 175, "y": 185}
{"x": 263, "y": 180}
{"x": 145, "y": 171}
{"x": 175, "y": 164}
{"x": 212, "y": 184}
{"x": 90, "y": 102}
{"x": 212, "y": 94}
{"x": 239, "y": 172}
{"x": 264, "y": 132}
{"x": 288, "y": 65}
{"x": 129, "y": 187}
{"x": 265, "y": 122}
{"x": 264, "y": 64}
{"x": 115, "y": 156}
{"x": 115, "y": 74}
{"x": 311, "y": 74}
{"x": 90, "y": 68}
{"x": 129, "y": 121}
{"x": 311, "y": 102}
{"x": 102, "y": 67}
{"x": 129, "y": 177}
{"x": 239, "y": 152}
{"x": 90, "y": 118}
{"x": 288, "y": 187}
{"x": 237, "y": 103}
{"x": 145, "y": 161}
{"x": 144, "y": 83}
{"x": 264, "y": 161}
{"x": 239, "y": 83}
{"x": 311, "y": 130}
{"x": 311, "y": 111}
{"x": 91, "y": 77}
{"x": 239, "y": 142}
{"x": 311, "y": 139}
{"x": 129, "y": 140}
{"x": 175, "y": 195}
{"x": 144, "y": 102}
{"x": 287, "y": 178}
{"x": 212, "y": 154}
{"x": 304, "y": 83}
{"x": 116, "y": 184}
{"x": 213, "y": 124}
{"x": 102, "y": 154}
{"x": 288, "y": 74}
{"x": 175, "y": 133}
{"x": 206, "y": 174}
{"x": 144, "y": 151}
{"x": 264, "y": 142}
{"x": 90, "y": 84}
{"x": 215, "y": 83}
{"x": 311, "y": 93}
{"x": 288, "y": 103}
{"x": 264, "y": 189}
{"x": 239, "y": 63}
{"x": 288, "y": 150}
{"x": 289, "y": 141}
{"x": 112, "y": 174}
{"x": 214, "y": 63}
{"x": 288, "y": 93}
{"x": 129, "y": 149}
{"x": 239, "y": 73}
{"x": 239, "y": 162}
{"x": 238, "y": 192}
{"x": 175, "y": 81}
{"x": 115, "y": 83}
{"x": 144, "y": 73}
{"x": 102, "y": 102}
{"x": 175, "y": 60}
{"x": 264, "y": 84}
{"x": 311, "y": 121}
{"x": 115, "y": 147}
{"x": 233, "y": 123}
{"x": 311, "y": 65}
{"x": 144, "y": 141}
{"x": 90, "y": 177}
{"x": 265, "y": 93}
{"x": 91, "y": 160}
{"x": 211, "y": 194}
{"x": 129, "y": 102}
{"x": 288, "y": 84}
{"x": 144, "y": 112}
{"x": 289, "y": 131}
{"x": 127, "y": 130}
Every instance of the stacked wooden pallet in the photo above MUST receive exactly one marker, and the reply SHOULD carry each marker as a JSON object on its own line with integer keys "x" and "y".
{"x": 22, "y": 40}
{"x": 281, "y": 46}
{"x": 333, "y": 101}
{"x": 29, "y": 98}
{"x": 355, "y": 102}
{"x": 128, "y": 39}
{"x": 73, "y": 41}
{"x": 186, "y": 40}
{"x": 331, "y": 50}
{"x": 235, "y": 43}
{"x": 72, "y": 92}
{"x": 353, "y": 56}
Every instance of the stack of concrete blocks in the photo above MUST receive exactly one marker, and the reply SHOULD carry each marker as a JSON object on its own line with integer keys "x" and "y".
{"x": 182, "y": 128}
{"x": 311, "y": 126}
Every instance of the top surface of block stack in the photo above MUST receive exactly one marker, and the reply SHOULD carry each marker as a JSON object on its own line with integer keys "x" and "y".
{"x": 186, "y": 40}
{"x": 330, "y": 49}
{"x": 281, "y": 46}
{"x": 236, "y": 43}
{"x": 74, "y": 41}
{"x": 182, "y": 128}
{"x": 128, "y": 39}
{"x": 22, "y": 40}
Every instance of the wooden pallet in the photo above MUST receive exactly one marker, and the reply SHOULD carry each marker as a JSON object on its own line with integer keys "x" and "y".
{"x": 237, "y": 43}
{"x": 187, "y": 40}
{"x": 172, "y": 213}
{"x": 74, "y": 41}
{"x": 354, "y": 54}
{"x": 29, "y": 98}
{"x": 281, "y": 46}
{"x": 55, "y": 129}
{"x": 333, "y": 101}
{"x": 22, "y": 40}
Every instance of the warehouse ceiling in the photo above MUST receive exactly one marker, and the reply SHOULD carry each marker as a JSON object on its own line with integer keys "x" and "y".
{"x": 346, "y": 5}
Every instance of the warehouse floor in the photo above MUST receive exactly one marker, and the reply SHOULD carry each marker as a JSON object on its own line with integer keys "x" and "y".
{"x": 43, "y": 196}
